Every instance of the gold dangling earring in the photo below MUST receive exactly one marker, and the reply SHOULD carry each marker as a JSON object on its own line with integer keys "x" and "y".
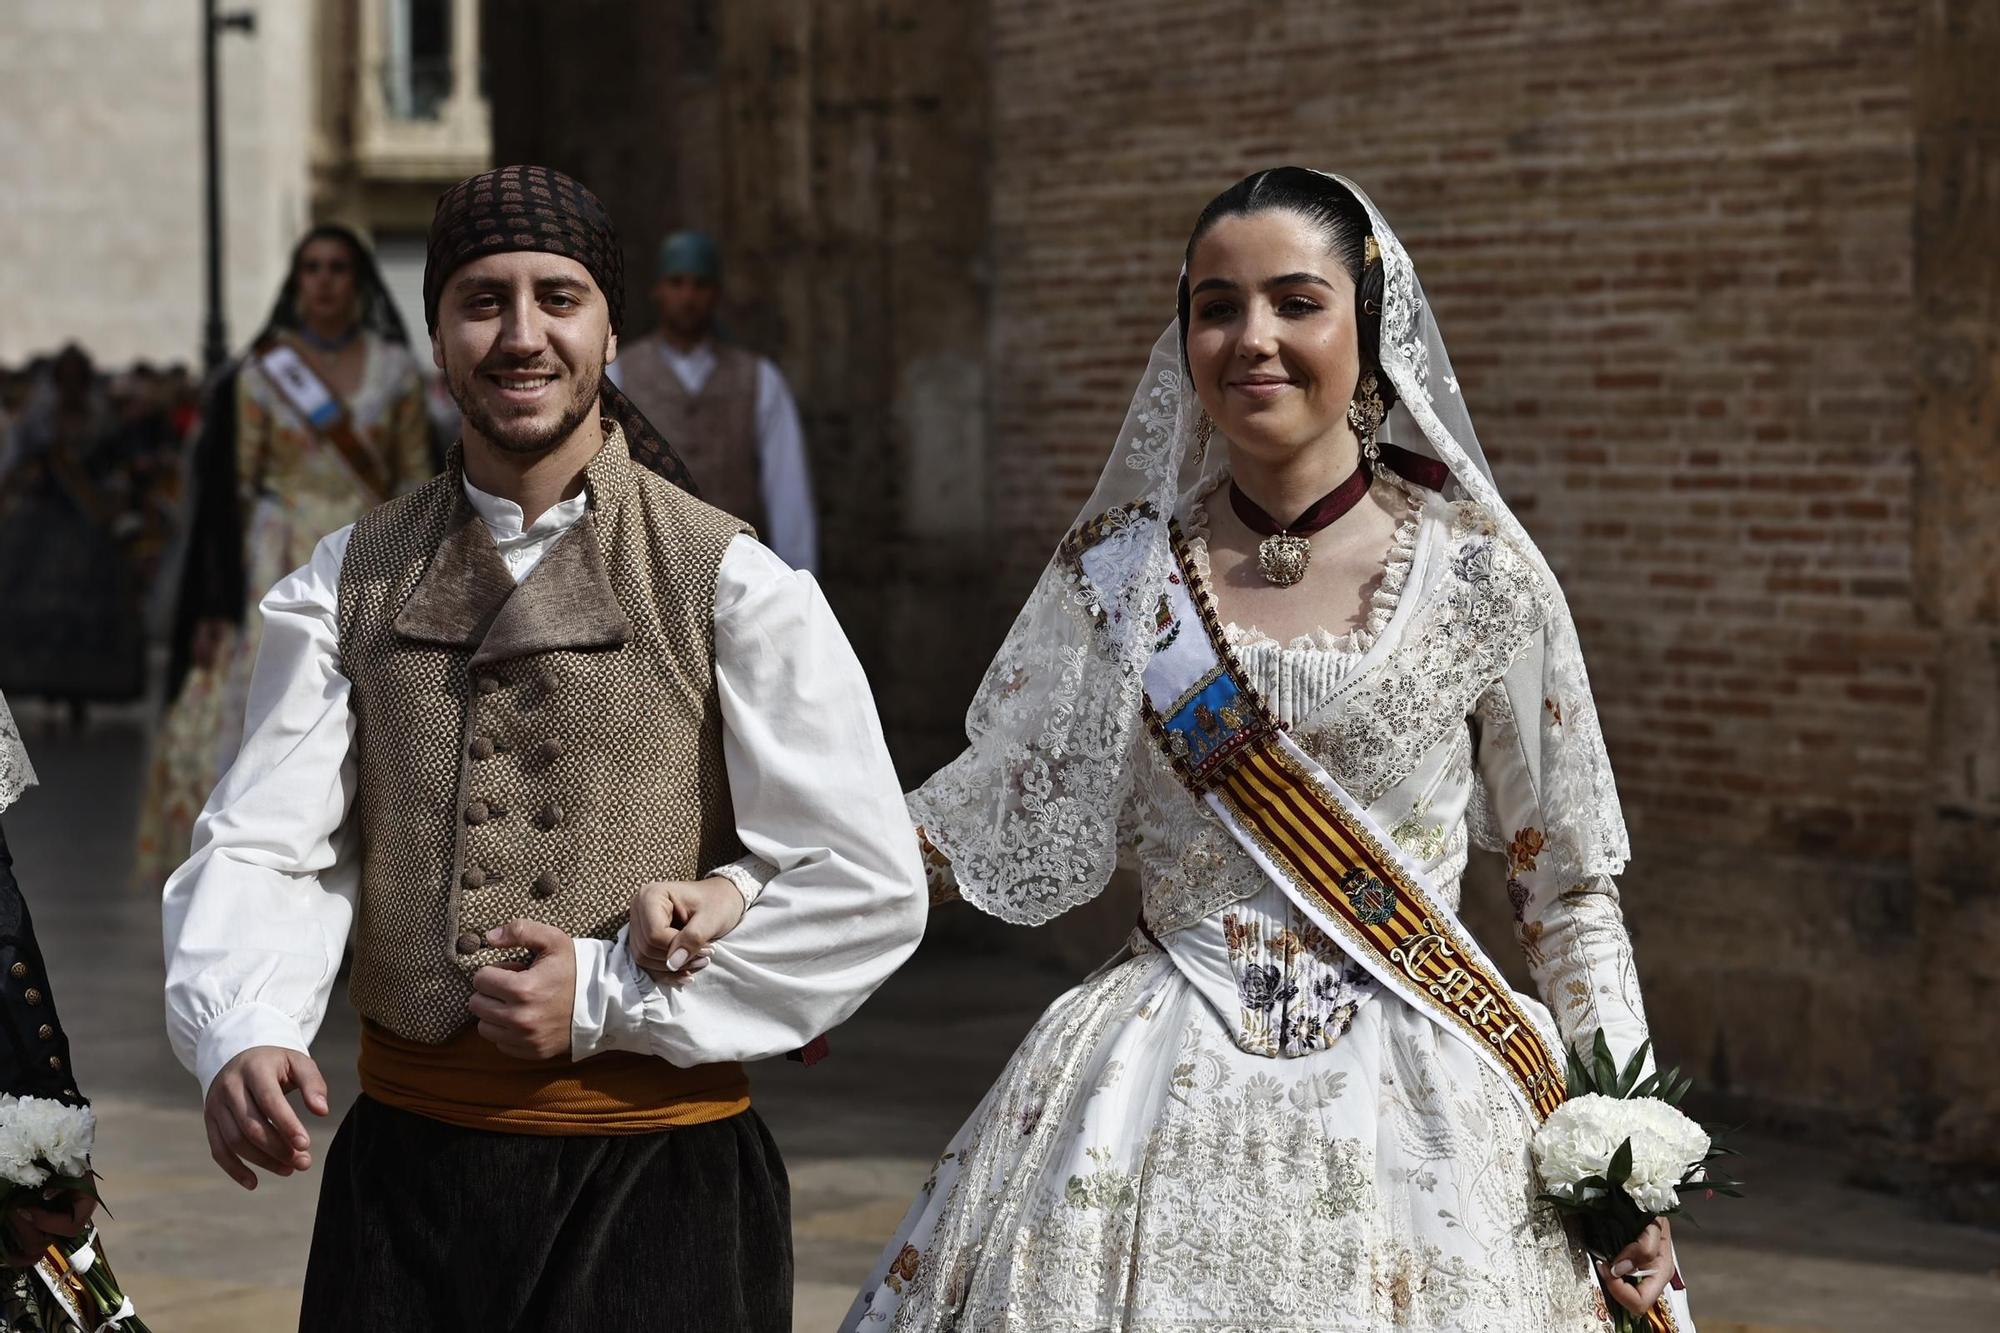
{"x": 1204, "y": 431}
{"x": 1364, "y": 417}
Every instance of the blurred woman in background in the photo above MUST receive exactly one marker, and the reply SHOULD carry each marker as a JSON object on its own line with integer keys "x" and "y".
{"x": 75, "y": 631}
{"x": 322, "y": 420}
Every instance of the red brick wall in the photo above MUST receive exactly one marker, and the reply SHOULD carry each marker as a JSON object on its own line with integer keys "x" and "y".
{"x": 1670, "y": 246}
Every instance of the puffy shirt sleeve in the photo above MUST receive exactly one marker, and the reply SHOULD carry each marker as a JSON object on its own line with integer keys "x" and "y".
{"x": 840, "y": 900}
{"x": 256, "y": 919}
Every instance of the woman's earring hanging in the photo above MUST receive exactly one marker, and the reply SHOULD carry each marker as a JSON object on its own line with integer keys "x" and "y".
{"x": 1204, "y": 431}
{"x": 1364, "y": 417}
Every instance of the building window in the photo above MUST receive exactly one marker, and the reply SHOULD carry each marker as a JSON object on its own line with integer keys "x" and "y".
{"x": 416, "y": 65}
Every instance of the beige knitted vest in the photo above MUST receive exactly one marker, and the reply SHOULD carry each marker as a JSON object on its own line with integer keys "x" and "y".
{"x": 714, "y": 431}
{"x": 535, "y": 751}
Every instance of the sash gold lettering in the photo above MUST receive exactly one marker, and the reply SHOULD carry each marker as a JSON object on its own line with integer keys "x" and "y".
{"x": 1427, "y": 960}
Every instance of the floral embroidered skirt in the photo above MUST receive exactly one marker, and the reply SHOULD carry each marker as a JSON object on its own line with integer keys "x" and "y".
{"x": 1135, "y": 1168}
{"x": 203, "y": 725}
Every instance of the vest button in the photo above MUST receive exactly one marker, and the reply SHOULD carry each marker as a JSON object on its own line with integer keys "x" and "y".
{"x": 482, "y": 747}
{"x": 550, "y": 750}
{"x": 468, "y": 943}
{"x": 474, "y": 878}
{"x": 18, "y": 971}
{"x": 552, "y": 816}
{"x": 546, "y": 885}
{"x": 488, "y": 684}
{"x": 45, "y": 1032}
{"x": 34, "y": 996}
{"x": 476, "y": 813}
{"x": 55, "y": 1062}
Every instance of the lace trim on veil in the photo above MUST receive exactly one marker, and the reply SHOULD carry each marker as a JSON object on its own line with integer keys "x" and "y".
{"x": 16, "y": 773}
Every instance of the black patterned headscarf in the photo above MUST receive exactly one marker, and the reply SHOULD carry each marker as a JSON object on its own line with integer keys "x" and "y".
{"x": 540, "y": 209}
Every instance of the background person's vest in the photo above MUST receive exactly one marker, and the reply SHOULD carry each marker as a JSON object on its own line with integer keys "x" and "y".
{"x": 714, "y": 431}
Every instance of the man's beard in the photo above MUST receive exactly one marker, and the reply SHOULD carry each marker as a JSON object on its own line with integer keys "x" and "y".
{"x": 525, "y": 437}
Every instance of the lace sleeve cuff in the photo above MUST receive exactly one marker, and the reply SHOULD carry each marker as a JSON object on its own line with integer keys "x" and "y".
{"x": 749, "y": 875}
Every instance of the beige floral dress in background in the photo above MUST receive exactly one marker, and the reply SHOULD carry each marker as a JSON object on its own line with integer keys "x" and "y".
{"x": 295, "y": 488}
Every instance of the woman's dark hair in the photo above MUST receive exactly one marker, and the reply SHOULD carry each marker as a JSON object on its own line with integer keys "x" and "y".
{"x": 1330, "y": 208}
{"x": 378, "y": 311}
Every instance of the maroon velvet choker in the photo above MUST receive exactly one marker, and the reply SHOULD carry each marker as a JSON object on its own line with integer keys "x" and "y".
{"x": 1286, "y": 550}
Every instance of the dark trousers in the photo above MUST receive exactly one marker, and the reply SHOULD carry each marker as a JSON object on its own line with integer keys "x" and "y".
{"x": 425, "y": 1227}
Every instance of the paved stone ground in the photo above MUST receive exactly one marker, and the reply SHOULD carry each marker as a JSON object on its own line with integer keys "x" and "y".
{"x": 1805, "y": 1253}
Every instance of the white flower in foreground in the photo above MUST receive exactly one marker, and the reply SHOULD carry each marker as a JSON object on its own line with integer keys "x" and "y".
{"x": 17, "y": 1154}
{"x": 38, "y": 1133}
{"x": 1584, "y": 1133}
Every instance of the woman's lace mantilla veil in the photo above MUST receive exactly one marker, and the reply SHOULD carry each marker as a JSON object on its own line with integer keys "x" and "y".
{"x": 16, "y": 773}
{"x": 1028, "y": 814}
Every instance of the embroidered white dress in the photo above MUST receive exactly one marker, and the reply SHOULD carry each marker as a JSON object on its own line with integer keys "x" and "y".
{"x": 1231, "y": 1126}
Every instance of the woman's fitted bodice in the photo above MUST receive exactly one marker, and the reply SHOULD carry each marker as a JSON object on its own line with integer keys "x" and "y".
{"x": 1397, "y": 711}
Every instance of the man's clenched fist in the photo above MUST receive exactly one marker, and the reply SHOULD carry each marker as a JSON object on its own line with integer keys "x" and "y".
{"x": 525, "y": 1008}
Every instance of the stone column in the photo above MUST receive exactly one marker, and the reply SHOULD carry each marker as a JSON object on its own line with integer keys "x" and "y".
{"x": 1957, "y": 418}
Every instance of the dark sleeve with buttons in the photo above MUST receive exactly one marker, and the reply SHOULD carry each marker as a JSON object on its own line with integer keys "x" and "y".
{"x": 34, "y": 1051}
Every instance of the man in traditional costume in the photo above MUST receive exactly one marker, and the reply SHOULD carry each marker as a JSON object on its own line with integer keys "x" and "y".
{"x": 726, "y": 409}
{"x": 483, "y": 716}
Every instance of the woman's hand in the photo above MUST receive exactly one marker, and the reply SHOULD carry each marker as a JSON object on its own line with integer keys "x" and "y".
{"x": 31, "y": 1230}
{"x": 1649, "y": 1259}
{"x": 674, "y": 924}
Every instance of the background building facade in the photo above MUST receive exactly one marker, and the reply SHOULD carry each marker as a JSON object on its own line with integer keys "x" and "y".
{"x": 358, "y": 111}
{"x": 1717, "y": 286}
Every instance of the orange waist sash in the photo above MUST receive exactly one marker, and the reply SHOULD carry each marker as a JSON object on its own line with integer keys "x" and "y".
{"x": 467, "y": 1081}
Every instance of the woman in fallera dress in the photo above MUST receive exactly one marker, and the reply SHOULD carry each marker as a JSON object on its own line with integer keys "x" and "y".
{"x": 1296, "y": 589}
{"x": 323, "y": 419}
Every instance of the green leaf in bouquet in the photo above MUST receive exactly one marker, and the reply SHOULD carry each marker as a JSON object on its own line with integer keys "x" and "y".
{"x": 1603, "y": 1072}
{"x": 85, "y": 1185}
{"x": 1630, "y": 1075}
{"x": 1576, "y": 1077}
{"x": 1680, "y": 1090}
{"x": 1621, "y": 1165}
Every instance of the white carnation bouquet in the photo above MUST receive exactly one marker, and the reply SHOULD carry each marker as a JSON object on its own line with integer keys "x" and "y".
{"x": 45, "y": 1152}
{"x": 1619, "y": 1153}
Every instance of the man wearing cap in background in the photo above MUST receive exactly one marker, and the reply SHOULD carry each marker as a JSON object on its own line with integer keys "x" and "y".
{"x": 491, "y": 723}
{"x": 726, "y": 409}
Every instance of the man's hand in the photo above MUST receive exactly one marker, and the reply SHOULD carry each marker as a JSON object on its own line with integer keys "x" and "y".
{"x": 674, "y": 924}
{"x": 1653, "y": 1255}
{"x": 249, "y": 1121}
{"x": 525, "y": 1008}
{"x": 31, "y": 1230}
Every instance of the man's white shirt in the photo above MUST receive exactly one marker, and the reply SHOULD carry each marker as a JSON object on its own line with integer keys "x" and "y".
{"x": 257, "y": 918}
